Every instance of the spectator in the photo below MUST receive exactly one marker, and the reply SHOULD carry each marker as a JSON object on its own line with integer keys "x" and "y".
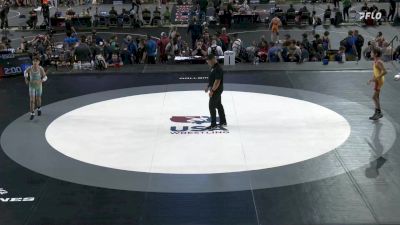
{"x": 368, "y": 50}
{"x": 237, "y": 45}
{"x": 225, "y": 39}
{"x": 114, "y": 46}
{"x": 287, "y": 38}
{"x": 206, "y": 39}
{"x": 195, "y": 30}
{"x": 135, "y": 4}
{"x": 217, "y": 5}
{"x": 303, "y": 10}
{"x": 203, "y": 4}
{"x": 167, "y": 15}
{"x": 327, "y": 13}
{"x": 70, "y": 40}
{"x": 216, "y": 38}
{"x": 95, "y": 49}
{"x": 140, "y": 52}
{"x": 349, "y": 44}
{"x": 346, "y": 7}
{"x": 365, "y": 7}
{"x": 379, "y": 40}
{"x": 314, "y": 21}
{"x": 172, "y": 50}
{"x": 396, "y": 53}
{"x": 32, "y": 22}
{"x": 291, "y": 9}
{"x": 359, "y": 39}
{"x": 215, "y": 49}
{"x": 294, "y": 52}
{"x": 151, "y": 51}
{"x": 305, "y": 55}
{"x": 156, "y": 16}
{"x": 336, "y": 4}
{"x": 339, "y": 55}
{"x": 186, "y": 51}
{"x": 96, "y": 38}
{"x": 274, "y": 53}
{"x": 130, "y": 46}
{"x": 46, "y": 14}
{"x": 225, "y": 16}
{"x": 115, "y": 61}
{"x": 306, "y": 42}
{"x": 4, "y": 10}
{"x": 199, "y": 50}
{"x": 386, "y": 52}
{"x": 162, "y": 45}
{"x": 326, "y": 42}
{"x": 392, "y": 10}
{"x": 69, "y": 28}
{"x": 82, "y": 52}
{"x": 172, "y": 32}
{"x": 113, "y": 12}
{"x": 263, "y": 50}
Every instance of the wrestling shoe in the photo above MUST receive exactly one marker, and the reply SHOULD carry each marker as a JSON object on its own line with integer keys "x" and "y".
{"x": 211, "y": 127}
{"x": 376, "y": 116}
{"x": 223, "y": 124}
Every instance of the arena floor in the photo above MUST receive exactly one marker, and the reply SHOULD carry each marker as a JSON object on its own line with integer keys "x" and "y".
{"x": 130, "y": 148}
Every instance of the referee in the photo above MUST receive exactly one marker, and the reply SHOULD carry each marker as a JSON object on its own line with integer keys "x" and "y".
{"x": 214, "y": 89}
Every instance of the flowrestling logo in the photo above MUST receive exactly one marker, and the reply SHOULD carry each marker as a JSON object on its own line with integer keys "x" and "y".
{"x": 194, "y": 125}
{"x": 14, "y": 199}
{"x": 372, "y": 15}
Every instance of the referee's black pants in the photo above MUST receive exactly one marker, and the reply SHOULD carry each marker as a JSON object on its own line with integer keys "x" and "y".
{"x": 214, "y": 105}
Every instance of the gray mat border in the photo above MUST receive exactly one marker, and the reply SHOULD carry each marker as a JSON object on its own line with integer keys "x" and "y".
{"x": 24, "y": 142}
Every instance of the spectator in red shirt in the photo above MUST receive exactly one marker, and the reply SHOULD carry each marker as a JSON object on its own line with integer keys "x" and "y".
{"x": 162, "y": 44}
{"x": 225, "y": 39}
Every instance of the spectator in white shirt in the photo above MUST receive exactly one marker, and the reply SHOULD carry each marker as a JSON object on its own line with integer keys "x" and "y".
{"x": 215, "y": 49}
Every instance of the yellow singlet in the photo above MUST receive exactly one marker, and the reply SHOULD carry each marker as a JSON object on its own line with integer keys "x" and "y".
{"x": 378, "y": 81}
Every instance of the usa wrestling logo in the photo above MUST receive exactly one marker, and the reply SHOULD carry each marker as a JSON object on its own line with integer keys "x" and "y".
{"x": 194, "y": 125}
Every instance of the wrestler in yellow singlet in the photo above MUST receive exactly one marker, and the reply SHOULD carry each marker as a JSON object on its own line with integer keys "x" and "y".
{"x": 378, "y": 80}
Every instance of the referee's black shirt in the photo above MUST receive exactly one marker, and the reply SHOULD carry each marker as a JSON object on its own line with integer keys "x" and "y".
{"x": 216, "y": 74}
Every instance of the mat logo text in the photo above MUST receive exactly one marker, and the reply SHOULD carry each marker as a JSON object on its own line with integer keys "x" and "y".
{"x": 197, "y": 125}
{"x": 14, "y": 199}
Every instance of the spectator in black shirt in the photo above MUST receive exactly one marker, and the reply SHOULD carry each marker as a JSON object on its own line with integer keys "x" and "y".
{"x": 195, "y": 30}
{"x": 365, "y": 8}
{"x": 46, "y": 14}
{"x": 82, "y": 51}
{"x": 392, "y": 10}
{"x": 69, "y": 28}
{"x": 214, "y": 89}
{"x": 113, "y": 11}
{"x": 32, "y": 22}
{"x": 4, "y": 10}
{"x": 359, "y": 42}
{"x": 291, "y": 9}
